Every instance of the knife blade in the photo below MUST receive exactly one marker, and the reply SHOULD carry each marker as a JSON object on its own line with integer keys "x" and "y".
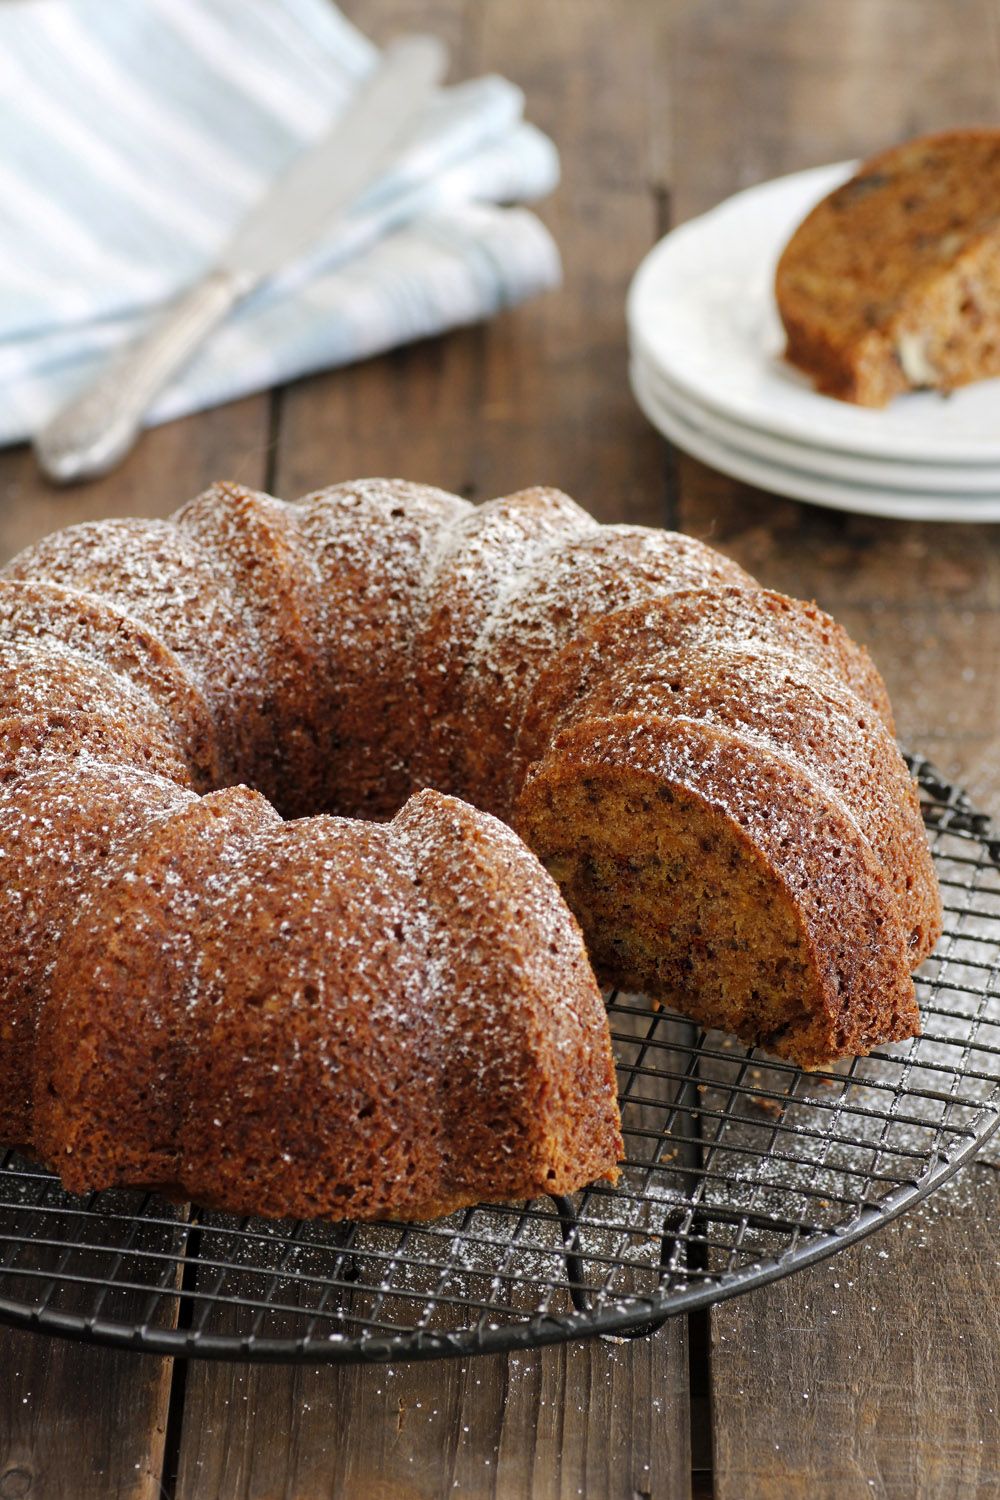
{"x": 95, "y": 429}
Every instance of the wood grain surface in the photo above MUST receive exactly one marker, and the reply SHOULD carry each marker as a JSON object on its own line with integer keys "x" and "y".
{"x": 878, "y": 1372}
{"x": 875, "y": 1374}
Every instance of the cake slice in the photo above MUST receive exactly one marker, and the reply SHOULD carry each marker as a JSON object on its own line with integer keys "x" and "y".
{"x": 892, "y": 283}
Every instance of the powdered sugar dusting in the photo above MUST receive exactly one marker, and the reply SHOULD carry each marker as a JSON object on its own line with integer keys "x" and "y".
{"x": 543, "y": 608}
{"x": 47, "y": 612}
{"x": 58, "y": 822}
{"x": 150, "y": 570}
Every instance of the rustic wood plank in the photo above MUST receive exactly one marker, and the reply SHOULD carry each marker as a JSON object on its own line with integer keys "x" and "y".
{"x": 875, "y": 1373}
{"x": 862, "y": 562}
{"x": 80, "y": 1422}
{"x": 77, "y": 1420}
{"x": 773, "y": 87}
{"x": 588, "y": 1418}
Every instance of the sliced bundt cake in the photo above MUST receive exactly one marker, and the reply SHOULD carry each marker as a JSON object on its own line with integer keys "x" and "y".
{"x": 336, "y": 1017}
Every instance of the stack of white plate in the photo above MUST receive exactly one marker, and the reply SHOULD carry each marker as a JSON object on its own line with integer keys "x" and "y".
{"x": 707, "y": 369}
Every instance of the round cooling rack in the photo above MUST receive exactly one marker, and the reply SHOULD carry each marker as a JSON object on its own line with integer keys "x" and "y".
{"x": 739, "y": 1170}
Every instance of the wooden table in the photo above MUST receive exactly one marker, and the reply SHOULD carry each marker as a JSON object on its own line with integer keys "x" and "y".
{"x": 877, "y": 1374}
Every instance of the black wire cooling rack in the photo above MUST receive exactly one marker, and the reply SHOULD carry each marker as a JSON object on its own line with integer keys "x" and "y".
{"x": 739, "y": 1169}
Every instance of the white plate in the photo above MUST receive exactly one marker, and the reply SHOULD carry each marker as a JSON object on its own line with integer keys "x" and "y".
{"x": 701, "y": 308}
{"x": 801, "y": 484}
{"x": 967, "y": 479}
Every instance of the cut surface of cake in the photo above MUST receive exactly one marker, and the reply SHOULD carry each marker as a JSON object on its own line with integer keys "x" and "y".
{"x": 892, "y": 283}
{"x": 277, "y": 786}
{"x": 713, "y": 873}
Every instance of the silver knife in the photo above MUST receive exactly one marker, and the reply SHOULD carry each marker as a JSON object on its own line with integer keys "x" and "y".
{"x": 94, "y": 431}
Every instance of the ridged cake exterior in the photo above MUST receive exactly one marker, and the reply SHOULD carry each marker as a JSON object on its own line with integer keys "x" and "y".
{"x": 396, "y": 1016}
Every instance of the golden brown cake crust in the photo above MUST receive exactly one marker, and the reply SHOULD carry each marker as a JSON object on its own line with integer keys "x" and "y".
{"x": 27, "y": 740}
{"x": 785, "y": 704}
{"x": 697, "y": 620}
{"x": 372, "y": 541}
{"x": 280, "y": 971}
{"x": 567, "y": 587}
{"x": 470, "y": 570}
{"x": 60, "y": 813}
{"x": 892, "y": 282}
{"x": 34, "y": 610}
{"x": 108, "y": 1097}
{"x": 153, "y": 573}
{"x": 252, "y": 542}
{"x": 36, "y": 676}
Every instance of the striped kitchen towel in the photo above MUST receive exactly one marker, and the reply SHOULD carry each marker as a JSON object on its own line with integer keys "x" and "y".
{"x": 134, "y": 134}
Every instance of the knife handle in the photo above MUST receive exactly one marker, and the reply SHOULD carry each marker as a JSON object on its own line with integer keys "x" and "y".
{"x": 87, "y": 437}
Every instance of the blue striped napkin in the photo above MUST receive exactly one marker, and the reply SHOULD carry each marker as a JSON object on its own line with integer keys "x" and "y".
{"x": 134, "y": 134}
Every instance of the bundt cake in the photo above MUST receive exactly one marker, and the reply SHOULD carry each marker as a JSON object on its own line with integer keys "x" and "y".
{"x": 266, "y": 954}
{"x": 892, "y": 282}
